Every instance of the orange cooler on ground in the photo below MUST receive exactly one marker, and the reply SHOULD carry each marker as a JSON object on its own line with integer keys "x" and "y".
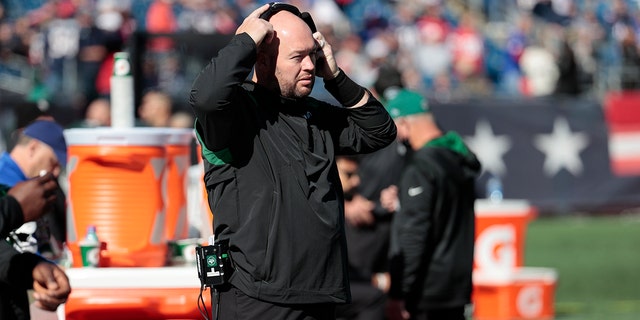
{"x": 525, "y": 293}
{"x": 500, "y": 234}
{"x": 178, "y": 161}
{"x": 115, "y": 182}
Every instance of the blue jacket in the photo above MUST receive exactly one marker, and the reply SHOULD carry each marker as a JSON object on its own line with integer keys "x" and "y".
{"x": 11, "y": 173}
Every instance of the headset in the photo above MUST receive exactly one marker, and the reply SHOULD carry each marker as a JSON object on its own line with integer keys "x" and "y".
{"x": 275, "y": 7}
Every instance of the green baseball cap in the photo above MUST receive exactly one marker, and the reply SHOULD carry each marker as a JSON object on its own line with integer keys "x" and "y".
{"x": 405, "y": 103}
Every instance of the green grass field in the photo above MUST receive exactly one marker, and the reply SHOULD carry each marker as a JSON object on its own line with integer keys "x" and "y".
{"x": 597, "y": 260}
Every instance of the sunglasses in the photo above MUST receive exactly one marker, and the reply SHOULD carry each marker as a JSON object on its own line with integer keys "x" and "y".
{"x": 275, "y": 7}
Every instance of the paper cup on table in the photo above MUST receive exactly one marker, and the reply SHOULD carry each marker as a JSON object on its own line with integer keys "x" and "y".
{"x": 90, "y": 254}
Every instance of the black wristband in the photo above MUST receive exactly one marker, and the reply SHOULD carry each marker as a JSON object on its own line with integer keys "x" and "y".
{"x": 345, "y": 90}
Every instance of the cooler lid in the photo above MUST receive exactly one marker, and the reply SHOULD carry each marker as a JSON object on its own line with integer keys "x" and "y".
{"x": 180, "y": 136}
{"x": 116, "y": 137}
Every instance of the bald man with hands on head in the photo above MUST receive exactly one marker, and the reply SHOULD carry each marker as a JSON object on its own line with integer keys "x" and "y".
{"x": 270, "y": 171}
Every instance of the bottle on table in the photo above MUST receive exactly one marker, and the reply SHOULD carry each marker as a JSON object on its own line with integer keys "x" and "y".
{"x": 90, "y": 248}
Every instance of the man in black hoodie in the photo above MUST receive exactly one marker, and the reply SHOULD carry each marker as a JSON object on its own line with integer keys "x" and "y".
{"x": 433, "y": 233}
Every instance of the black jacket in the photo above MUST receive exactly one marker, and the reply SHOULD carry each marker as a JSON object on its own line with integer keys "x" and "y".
{"x": 272, "y": 182}
{"x": 15, "y": 268}
{"x": 15, "y": 279}
{"x": 10, "y": 215}
{"x": 433, "y": 233}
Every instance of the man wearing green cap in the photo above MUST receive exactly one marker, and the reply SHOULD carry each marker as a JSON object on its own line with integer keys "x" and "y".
{"x": 433, "y": 233}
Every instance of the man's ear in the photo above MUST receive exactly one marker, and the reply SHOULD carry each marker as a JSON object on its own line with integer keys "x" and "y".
{"x": 260, "y": 67}
{"x": 265, "y": 65}
{"x": 261, "y": 61}
{"x": 32, "y": 146}
{"x": 402, "y": 126}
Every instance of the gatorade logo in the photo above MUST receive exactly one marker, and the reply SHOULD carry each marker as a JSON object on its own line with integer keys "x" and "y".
{"x": 93, "y": 256}
{"x": 495, "y": 248}
{"x": 212, "y": 261}
{"x": 529, "y": 302}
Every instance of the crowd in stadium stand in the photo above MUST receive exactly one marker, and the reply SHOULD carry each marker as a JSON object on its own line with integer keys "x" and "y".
{"x": 445, "y": 49}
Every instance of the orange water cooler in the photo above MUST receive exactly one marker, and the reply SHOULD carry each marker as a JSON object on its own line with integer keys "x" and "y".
{"x": 501, "y": 229}
{"x": 503, "y": 288}
{"x": 116, "y": 182}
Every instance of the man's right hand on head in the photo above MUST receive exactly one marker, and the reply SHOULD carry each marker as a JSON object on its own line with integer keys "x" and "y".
{"x": 35, "y": 196}
{"x": 258, "y": 29}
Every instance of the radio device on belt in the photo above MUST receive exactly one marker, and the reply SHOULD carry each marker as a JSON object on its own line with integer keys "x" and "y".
{"x": 213, "y": 264}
